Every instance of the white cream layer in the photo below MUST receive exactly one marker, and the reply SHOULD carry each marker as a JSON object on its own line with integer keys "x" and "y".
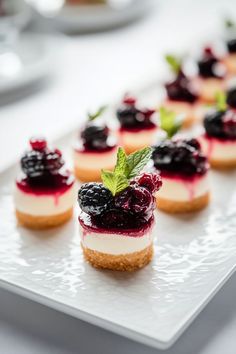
{"x": 142, "y": 138}
{"x": 44, "y": 205}
{"x": 115, "y": 244}
{"x": 182, "y": 190}
{"x": 95, "y": 161}
{"x": 217, "y": 150}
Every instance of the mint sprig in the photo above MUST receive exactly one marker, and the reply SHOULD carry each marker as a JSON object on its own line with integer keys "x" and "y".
{"x": 229, "y": 23}
{"x": 221, "y": 104}
{"x": 127, "y": 167}
{"x": 97, "y": 114}
{"x": 169, "y": 122}
{"x": 174, "y": 63}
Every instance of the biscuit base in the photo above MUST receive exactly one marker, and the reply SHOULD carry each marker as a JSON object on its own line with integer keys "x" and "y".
{"x": 222, "y": 164}
{"x": 176, "y": 207}
{"x": 43, "y": 222}
{"x": 86, "y": 175}
{"x": 123, "y": 262}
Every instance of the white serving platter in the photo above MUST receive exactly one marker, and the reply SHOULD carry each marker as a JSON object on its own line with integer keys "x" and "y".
{"x": 194, "y": 255}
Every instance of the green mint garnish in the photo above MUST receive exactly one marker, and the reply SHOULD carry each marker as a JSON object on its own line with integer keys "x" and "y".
{"x": 174, "y": 63}
{"x": 97, "y": 114}
{"x": 169, "y": 122}
{"x": 127, "y": 167}
{"x": 229, "y": 23}
{"x": 221, "y": 104}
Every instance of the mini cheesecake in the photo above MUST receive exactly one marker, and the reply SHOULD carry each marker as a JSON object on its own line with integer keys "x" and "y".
{"x": 95, "y": 150}
{"x": 137, "y": 126}
{"x": 44, "y": 193}
{"x": 211, "y": 76}
{"x": 219, "y": 140}
{"x": 184, "y": 172}
{"x": 116, "y": 229}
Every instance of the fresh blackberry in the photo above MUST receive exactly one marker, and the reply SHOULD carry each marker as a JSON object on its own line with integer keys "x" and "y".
{"x": 94, "y": 199}
{"x": 130, "y": 116}
{"x": 135, "y": 199}
{"x": 179, "y": 157}
{"x": 213, "y": 123}
{"x": 194, "y": 143}
{"x": 181, "y": 89}
{"x": 151, "y": 181}
{"x": 41, "y": 163}
{"x": 117, "y": 218}
{"x": 207, "y": 64}
{"x": 95, "y": 136}
{"x": 229, "y": 124}
{"x": 231, "y": 45}
{"x": 231, "y": 97}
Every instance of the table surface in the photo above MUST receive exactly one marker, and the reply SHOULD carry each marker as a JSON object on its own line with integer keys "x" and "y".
{"x": 95, "y": 69}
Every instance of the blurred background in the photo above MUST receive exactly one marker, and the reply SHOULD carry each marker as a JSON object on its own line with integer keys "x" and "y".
{"x": 59, "y": 58}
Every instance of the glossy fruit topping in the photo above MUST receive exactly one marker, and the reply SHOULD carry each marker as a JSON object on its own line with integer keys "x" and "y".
{"x": 42, "y": 165}
{"x": 231, "y": 97}
{"x": 94, "y": 198}
{"x": 150, "y": 181}
{"x": 181, "y": 89}
{"x": 221, "y": 124}
{"x": 231, "y": 45}
{"x": 179, "y": 157}
{"x": 95, "y": 136}
{"x": 207, "y": 65}
{"x": 135, "y": 199}
{"x": 130, "y": 116}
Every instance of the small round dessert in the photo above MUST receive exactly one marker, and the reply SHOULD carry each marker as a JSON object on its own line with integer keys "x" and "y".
{"x": 219, "y": 140}
{"x": 211, "y": 76}
{"x": 44, "y": 195}
{"x": 181, "y": 93}
{"x": 137, "y": 126}
{"x": 230, "y": 59}
{"x": 184, "y": 172}
{"x": 116, "y": 226}
{"x": 96, "y": 149}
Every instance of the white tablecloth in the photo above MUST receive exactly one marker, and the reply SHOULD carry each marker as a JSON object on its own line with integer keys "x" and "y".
{"x": 92, "y": 70}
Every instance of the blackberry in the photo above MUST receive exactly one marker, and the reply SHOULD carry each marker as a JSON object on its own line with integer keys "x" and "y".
{"x": 135, "y": 199}
{"x": 180, "y": 89}
{"x": 194, "y": 143}
{"x": 231, "y": 97}
{"x": 213, "y": 124}
{"x": 207, "y": 65}
{"x": 130, "y": 116}
{"x": 94, "y": 199}
{"x": 179, "y": 157}
{"x": 229, "y": 124}
{"x": 41, "y": 164}
{"x": 120, "y": 219}
{"x": 95, "y": 136}
{"x": 231, "y": 45}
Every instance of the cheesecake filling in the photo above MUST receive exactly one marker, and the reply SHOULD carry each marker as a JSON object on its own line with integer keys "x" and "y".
{"x": 216, "y": 149}
{"x": 94, "y": 161}
{"x": 140, "y": 138}
{"x": 182, "y": 189}
{"x": 44, "y": 204}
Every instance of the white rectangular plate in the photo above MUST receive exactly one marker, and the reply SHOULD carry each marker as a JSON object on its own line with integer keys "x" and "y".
{"x": 194, "y": 255}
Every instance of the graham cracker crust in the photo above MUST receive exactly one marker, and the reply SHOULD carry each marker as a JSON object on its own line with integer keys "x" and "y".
{"x": 123, "y": 262}
{"x": 175, "y": 207}
{"x": 222, "y": 165}
{"x": 43, "y": 222}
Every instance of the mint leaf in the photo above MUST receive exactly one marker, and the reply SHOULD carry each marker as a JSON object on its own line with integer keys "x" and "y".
{"x": 169, "y": 122}
{"x": 221, "y": 104}
{"x": 121, "y": 163}
{"x": 114, "y": 182}
{"x": 97, "y": 114}
{"x": 137, "y": 161}
{"x": 229, "y": 23}
{"x": 174, "y": 63}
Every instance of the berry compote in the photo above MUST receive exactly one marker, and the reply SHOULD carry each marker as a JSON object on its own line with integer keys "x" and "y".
{"x": 208, "y": 65}
{"x": 221, "y": 125}
{"x": 181, "y": 89}
{"x": 231, "y": 97}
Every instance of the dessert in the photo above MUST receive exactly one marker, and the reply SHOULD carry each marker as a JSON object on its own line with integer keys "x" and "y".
{"x": 219, "y": 140}
{"x": 116, "y": 218}
{"x": 230, "y": 58}
{"x": 181, "y": 93}
{"x": 231, "y": 97}
{"x": 44, "y": 193}
{"x": 137, "y": 126}
{"x": 184, "y": 172}
{"x": 96, "y": 149}
{"x": 211, "y": 76}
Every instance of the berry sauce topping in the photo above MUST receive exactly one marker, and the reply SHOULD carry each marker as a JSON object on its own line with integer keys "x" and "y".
{"x": 180, "y": 158}
{"x": 181, "y": 89}
{"x": 231, "y": 45}
{"x": 208, "y": 65}
{"x": 231, "y": 97}
{"x": 95, "y": 137}
{"x": 133, "y": 118}
{"x": 221, "y": 124}
{"x": 43, "y": 169}
{"x": 125, "y": 200}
